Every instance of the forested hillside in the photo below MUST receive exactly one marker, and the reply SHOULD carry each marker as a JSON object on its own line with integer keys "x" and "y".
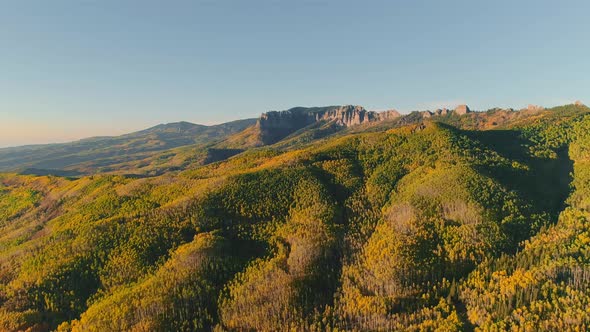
{"x": 455, "y": 222}
{"x": 143, "y": 152}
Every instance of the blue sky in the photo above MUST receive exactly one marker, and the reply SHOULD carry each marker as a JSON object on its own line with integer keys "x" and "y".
{"x": 72, "y": 69}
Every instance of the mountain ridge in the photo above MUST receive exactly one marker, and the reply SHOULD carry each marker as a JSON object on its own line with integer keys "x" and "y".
{"x": 132, "y": 146}
{"x": 450, "y": 222}
{"x": 182, "y": 145}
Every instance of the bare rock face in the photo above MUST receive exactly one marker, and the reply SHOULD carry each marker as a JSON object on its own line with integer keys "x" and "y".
{"x": 426, "y": 114}
{"x": 441, "y": 112}
{"x": 531, "y": 107}
{"x": 276, "y": 125}
{"x": 462, "y": 109}
{"x": 388, "y": 115}
{"x": 347, "y": 116}
{"x": 578, "y": 103}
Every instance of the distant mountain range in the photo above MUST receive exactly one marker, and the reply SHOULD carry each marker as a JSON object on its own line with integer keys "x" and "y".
{"x": 183, "y": 145}
{"x": 143, "y": 150}
{"x": 101, "y": 154}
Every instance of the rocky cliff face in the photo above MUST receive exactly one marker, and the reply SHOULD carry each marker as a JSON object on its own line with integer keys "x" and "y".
{"x": 277, "y": 125}
{"x": 347, "y": 116}
{"x": 462, "y": 109}
{"x": 274, "y": 126}
{"x": 459, "y": 110}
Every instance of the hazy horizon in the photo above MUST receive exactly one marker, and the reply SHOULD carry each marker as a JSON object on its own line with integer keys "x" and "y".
{"x": 122, "y": 131}
{"x": 72, "y": 70}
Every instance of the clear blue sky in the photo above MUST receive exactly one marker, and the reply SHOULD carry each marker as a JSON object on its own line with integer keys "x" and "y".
{"x": 70, "y": 69}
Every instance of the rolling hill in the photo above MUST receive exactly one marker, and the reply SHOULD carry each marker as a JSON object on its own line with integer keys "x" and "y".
{"x": 104, "y": 154}
{"x": 312, "y": 220}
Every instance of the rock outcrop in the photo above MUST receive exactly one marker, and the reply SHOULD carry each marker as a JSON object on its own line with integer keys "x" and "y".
{"x": 578, "y": 103}
{"x": 276, "y": 125}
{"x": 532, "y": 107}
{"x": 442, "y": 111}
{"x": 426, "y": 114}
{"x": 462, "y": 109}
{"x": 388, "y": 115}
{"x": 347, "y": 116}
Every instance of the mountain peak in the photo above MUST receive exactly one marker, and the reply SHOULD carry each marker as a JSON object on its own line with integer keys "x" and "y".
{"x": 173, "y": 127}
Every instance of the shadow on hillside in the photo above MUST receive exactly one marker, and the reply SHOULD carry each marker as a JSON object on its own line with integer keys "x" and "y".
{"x": 546, "y": 184}
{"x": 215, "y": 155}
{"x": 52, "y": 172}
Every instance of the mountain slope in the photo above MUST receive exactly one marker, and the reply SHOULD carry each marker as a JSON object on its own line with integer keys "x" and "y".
{"x": 183, "y": 145}
{"x": 274, "y": 126}
{"x": 101, "y": 153}
{"x": 435, "y": 224}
